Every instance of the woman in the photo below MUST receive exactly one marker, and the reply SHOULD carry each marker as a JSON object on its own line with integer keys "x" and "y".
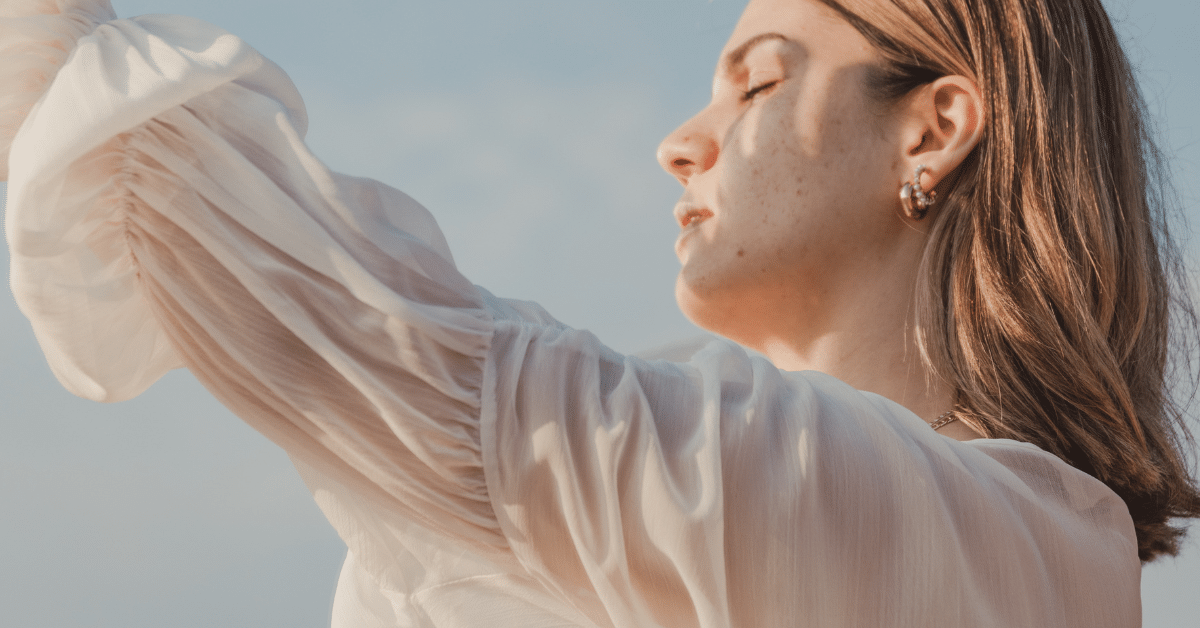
{"x": 483, "y": 461}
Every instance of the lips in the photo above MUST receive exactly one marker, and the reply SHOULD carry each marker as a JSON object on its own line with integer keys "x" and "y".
{"x": 689, "y": 218}
{"x": 691, "y": 215}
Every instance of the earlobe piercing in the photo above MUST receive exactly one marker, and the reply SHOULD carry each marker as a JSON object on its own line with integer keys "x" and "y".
{"x": 913, "y": 199}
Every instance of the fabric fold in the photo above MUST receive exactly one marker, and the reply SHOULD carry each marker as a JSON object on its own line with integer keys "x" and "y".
{"x": 70, "y": 169}
{"x": 164, "y": 211}
{"x": 36, "y": 37}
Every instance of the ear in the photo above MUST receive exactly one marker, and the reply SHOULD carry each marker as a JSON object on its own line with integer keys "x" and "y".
{"x": 944, "y": 124}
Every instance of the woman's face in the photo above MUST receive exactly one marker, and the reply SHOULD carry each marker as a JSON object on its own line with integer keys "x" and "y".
{"x": 792, "y": 175}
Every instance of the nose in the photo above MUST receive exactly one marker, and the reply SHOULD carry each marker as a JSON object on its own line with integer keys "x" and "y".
{"x": 688, "y": 151}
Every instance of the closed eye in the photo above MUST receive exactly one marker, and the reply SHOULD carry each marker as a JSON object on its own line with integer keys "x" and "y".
{"x": 749, "y": 95}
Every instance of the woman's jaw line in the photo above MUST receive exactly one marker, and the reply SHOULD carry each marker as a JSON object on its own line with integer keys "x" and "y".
{"x": 858, "y": 329}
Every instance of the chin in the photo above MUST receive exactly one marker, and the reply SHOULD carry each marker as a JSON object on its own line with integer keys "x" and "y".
{"x": 716, "y": 311}
{"x": 689, "y": 302}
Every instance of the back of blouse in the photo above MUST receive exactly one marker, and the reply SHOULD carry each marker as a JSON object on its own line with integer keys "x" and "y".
{"x": 482, "y": 461}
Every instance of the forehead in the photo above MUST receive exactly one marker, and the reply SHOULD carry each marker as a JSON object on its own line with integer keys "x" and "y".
{"x": 819, "y": 31}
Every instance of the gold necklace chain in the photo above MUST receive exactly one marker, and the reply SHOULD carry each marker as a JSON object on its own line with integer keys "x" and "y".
{"x": 945, "y": 419}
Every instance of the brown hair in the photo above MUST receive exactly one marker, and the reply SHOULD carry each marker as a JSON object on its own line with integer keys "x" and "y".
{"x": 1052, "y": 296}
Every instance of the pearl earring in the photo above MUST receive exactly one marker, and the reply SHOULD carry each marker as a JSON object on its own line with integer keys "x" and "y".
{"x": 913, "y": 199}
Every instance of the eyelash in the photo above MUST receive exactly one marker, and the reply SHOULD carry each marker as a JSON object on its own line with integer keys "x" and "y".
{"x": 749, "y": 95}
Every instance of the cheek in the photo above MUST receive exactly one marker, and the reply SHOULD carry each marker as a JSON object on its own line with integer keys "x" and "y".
{"x": 771, "y": 167}
{"x": 771, "y": 186}
{"x": 853, "y": 164}
{"x": 845, "y": 132}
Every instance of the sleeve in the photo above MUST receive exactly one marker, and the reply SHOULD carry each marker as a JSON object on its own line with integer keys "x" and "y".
{"x": 163, "y": 211}
{"x": 722, "y": 491}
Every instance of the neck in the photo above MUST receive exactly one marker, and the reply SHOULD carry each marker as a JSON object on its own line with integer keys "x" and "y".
{"x": 864, "y": 335}
{"x": 889, "y": 365}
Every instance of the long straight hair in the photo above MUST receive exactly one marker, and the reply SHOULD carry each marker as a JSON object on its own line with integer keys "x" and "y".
{"x": 1051, "y": 296}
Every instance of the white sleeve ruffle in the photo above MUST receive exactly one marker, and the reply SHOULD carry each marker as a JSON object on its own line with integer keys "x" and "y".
{"x": 164, "y": 211}
{"x": 35, "y": 39}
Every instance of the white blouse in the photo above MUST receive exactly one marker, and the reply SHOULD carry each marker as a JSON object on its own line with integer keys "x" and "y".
{"x": 485, "y": 464}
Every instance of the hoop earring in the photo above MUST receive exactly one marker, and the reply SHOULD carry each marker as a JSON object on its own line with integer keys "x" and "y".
{"x": 913, "y": 199}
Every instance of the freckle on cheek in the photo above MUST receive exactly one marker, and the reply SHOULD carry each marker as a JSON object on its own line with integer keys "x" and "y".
{"x": 741, "y": 252}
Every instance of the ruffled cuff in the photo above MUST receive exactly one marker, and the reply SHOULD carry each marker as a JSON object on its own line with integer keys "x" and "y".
{"x": 36, "y": 37}
{"x": 71, "y": 271}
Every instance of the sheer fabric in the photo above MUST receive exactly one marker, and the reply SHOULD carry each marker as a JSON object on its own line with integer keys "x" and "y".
{"x": 482, "y": 461}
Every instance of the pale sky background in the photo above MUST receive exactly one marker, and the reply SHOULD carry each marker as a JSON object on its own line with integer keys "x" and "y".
{"x": 528, "y": 127}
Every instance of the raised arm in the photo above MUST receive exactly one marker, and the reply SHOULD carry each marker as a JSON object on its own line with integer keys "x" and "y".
{"x": 164, "y": 211}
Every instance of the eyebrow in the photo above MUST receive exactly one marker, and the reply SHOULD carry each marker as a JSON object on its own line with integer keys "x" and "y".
{"x": 737, "y": 56}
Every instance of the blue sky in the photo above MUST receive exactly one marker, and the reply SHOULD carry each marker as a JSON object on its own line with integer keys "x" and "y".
{"x": 528, "y": 127}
